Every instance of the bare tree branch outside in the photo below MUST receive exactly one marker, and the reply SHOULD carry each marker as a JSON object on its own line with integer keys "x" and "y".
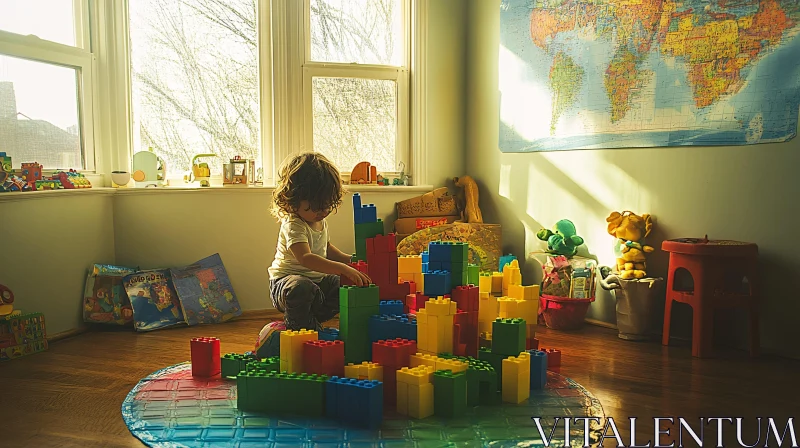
{"x": 196, "y": 87}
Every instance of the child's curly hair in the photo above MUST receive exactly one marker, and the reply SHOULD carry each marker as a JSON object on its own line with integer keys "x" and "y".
{"x": 308, "y": 177}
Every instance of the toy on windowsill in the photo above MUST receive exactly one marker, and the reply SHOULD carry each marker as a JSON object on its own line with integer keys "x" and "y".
{"x": 31, "y": 172}
{"x": 72, "y": 180}
{"x": 200, "y": 172}
{"x": 6, "y": 301}
{"x": 239, "y": 172}
{"x": 562, "y": 240}
{"x": 630, "y": 247}
{"x": 149, "y": 170}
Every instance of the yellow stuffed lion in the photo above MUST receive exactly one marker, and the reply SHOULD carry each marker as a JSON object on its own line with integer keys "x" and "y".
{"x": 630, "y": 248}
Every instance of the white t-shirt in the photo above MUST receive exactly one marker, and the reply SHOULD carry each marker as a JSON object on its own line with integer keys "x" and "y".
{"x": 295, "y": 230}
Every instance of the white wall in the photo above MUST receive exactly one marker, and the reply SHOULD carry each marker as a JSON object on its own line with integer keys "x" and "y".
{"x": 742, "y": 193}
{"x": 47, "y": 244}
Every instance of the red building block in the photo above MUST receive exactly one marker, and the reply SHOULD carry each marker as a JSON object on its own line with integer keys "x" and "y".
{"x": 359, "y": 266}
{"x": 460, "y": 329}
{"x": 393, "y": 355}
{"x": 532, "y": 344}
{"x": 467, "y": 298}
{"x": 324, "y": 357}
{"x": 553, "y": 357}
{"x": 206, "y": 360}
{"x": 416, "y": 301}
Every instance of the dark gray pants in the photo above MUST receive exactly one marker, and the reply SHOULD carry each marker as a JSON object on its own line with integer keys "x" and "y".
{"x": 305, "y": 304}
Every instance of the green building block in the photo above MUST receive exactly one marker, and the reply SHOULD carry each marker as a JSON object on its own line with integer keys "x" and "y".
{"x": 356, "y": 306}
{"x": 233, "y": 363}
{"x": 496, "y": 361}
{"x": 363, "y": 231}
{"x": 459, "y": 252}
{"x": 473, "y": 274}
{"x": 508, "y": 336}
{"x": 449, "y": 393}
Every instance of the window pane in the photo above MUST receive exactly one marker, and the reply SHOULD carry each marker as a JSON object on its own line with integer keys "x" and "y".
{"x": 355, "y": 120}
{"x": 357, "y": 31}
{"x": 39, "y": 114}
{"x": 52, "y": 20}
{"x": 195, "y": 80}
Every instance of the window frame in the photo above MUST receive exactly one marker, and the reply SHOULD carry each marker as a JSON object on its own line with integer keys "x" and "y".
{"x": 293, "y": 72}
{"x": 79, "y": 58}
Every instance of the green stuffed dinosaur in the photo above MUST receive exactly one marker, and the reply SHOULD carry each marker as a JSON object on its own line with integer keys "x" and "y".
{"x": 562, "y": 240}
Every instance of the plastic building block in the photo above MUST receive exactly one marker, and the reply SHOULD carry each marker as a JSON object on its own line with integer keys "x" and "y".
{"x": 532, "y": 344}
{"x": 482, "y": 381}
{"x": 415, "y": 391}
{"x": 517, "y": 378}
{"x": 496, "y": 361}
{"x": 511, "y": 276}
{"x": 354, "y": 402}
{"x": 521, "y": 292}
{"x": 233, "y": 363}
{"x": 409, "y": 264}
{"x": 485, "y": 283}
{"x": 553, "y": 358}
{"x": 497, "y": 283}
{"x": 438, "y": 363}
{"x": 206, "y": 360}
{"x": 508, "y": 336}
{"x": 292, "y": 349}
{"x": 538, "y": 369}
{"x": 506, "y": 259}
{"x": 487, "y": 311}
{"x": 435, "y": 326}
{"x": 391, "y": 327}
{"x": 357, "y": 265}
{"x": 363, "y": 213}
{"x": 363, "y": 231}
{"x": 473, "y": 274}
{"x": 356, "y": 305}
{"x": 391, "y": 307}
{"x": 280, "y": 392}
{"x": 437, "y": 283}
{"x": 416, "y": 301}
{"x": 393, "y": 355}
{"x": 364, "y": 371}
{"x": 324, "y": 357}
{"x": 449, "y": 393}
{"x": 468, "y": 300}
{"x": 329, "y": 334}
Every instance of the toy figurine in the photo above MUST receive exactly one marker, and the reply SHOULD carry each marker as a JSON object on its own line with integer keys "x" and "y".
{"x": 630, "y": 247}
{"x": 562, "y": 240}
{"x": 200, "y": 171}
{"x": 6, "y": 301}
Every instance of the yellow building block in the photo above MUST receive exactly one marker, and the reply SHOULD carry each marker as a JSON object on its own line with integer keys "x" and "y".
{"x": 487, "y": 311}
{"x": 511, "y": 276}
{"x": 364, "y": 371}
{"x": 516, "y": 378}
{"x": 485, "y": 283}
{"x": 292, "y": 349}
{"x": 402, "y": 398}
{"x": 420, "y": 400}
{"x": 435, "y": 326}
{"x": 431, "y": 361}
{"x": 440, "y": 306}
{"x": 409, "y": 264}
{"x": 417, "y": 375}
{"x": 497, "y": 283}
{"x": 530, "y": 292}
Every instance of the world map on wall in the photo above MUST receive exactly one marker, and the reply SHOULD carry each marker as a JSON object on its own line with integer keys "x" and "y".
{"x": 577, "y": 74}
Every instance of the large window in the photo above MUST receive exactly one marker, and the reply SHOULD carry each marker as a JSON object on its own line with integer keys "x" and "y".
{"x": 46, "y": 83}
{"x": 195, "y": 80}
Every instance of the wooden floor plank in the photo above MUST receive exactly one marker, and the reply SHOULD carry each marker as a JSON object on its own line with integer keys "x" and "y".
{"x": 71, "y": 394}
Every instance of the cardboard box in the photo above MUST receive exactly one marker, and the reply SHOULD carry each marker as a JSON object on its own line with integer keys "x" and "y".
{"x": 407, "y": 226}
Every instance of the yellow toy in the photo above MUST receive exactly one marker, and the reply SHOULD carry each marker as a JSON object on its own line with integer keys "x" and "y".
{"x": 6, "y": 301}
{"x": 630, "y": 248}
{"x": 200, "y": 172}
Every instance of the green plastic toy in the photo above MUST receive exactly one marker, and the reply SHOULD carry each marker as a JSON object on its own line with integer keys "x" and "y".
{"x": 562, "y": 240}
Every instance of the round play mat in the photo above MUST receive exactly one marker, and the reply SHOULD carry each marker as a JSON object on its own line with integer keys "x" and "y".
{"x": 169, "y": 408}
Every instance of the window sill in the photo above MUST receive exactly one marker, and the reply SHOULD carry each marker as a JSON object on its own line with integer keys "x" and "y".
{"x": 183, "y": 189}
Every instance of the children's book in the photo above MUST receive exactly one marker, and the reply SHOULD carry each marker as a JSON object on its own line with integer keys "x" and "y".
{"x": 205, "y": 292}
{"x": 154, "y": 300}
{"x": 105, "y": 300}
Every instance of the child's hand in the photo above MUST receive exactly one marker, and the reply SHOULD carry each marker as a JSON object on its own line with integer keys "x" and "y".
{"x": 357, "y": 277}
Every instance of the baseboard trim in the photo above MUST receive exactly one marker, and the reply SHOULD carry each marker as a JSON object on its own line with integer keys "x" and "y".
{"x": 67, "y": 334}
{"x": 600, "y": 323}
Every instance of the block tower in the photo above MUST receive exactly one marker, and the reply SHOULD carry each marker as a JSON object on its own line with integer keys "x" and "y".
{"x": 367, "y": 225}
{"x": 356, "y": 305}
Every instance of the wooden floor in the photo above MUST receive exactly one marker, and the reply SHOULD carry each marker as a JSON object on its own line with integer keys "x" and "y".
{"x": 71, "y": 394}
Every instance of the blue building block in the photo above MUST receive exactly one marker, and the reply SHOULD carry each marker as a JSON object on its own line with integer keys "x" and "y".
{"x": 385, "y": 327}
{"x": 538, "y": 369}
{"x": 505, "y": 259}
{"x": 391, "y": 307}
{"x": 446, "y": 266}
{"x": 354, "y": 402}
{"x": 435, "y": 266}
{"x": 439, "y": 251}
{"x": 357, "y": 217}
{"x": 437, "y": 283}
{"x": 363, "y": 213}
{"x": 329, "y": 334}
{"x": 424, "y": 267}
{"x": 425, "y": 256}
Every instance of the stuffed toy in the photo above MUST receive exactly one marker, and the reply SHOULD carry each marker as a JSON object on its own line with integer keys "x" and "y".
{"x": 630, "y": 247}
{"x": 562, "y": 240}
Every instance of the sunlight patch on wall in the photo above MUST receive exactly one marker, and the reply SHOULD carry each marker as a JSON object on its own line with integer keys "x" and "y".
{"x": 504, "y": 188}
{"x": 524, "y": 106}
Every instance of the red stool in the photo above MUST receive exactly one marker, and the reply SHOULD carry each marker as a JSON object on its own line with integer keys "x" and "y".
{"x": 718, "y": 269}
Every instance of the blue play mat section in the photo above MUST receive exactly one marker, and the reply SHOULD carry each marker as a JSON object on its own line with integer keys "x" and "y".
{"x": 171, "y": 409}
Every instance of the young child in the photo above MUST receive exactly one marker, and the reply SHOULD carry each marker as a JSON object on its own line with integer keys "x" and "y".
{"x": 305, "y": 276}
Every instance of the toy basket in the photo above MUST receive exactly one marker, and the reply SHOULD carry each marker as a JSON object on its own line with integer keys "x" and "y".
{"x": 564, "y": 313}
